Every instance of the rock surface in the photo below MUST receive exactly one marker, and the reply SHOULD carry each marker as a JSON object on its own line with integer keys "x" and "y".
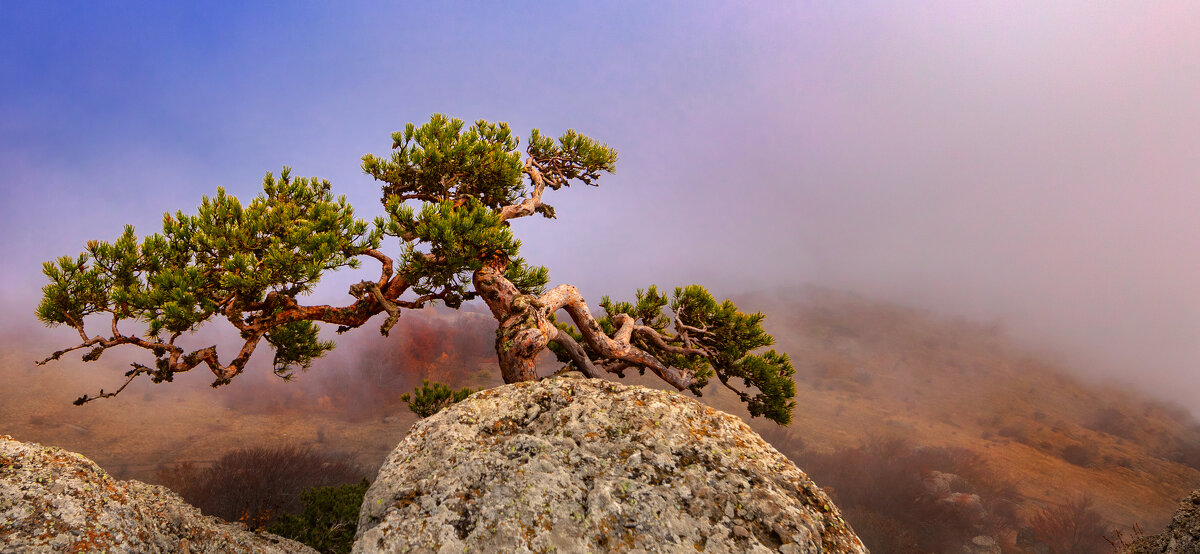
{"x": 576, "y": 465}
{"x": 1182, "y": 535}
{"x": 52, "y": 500}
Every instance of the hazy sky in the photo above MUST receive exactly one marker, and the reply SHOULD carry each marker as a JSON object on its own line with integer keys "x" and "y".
{"x": 1019, "y": 161}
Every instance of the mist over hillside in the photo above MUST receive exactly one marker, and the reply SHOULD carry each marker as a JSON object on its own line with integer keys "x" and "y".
{"x": 1032, "y": 166}
{"x": 867, "y": 371}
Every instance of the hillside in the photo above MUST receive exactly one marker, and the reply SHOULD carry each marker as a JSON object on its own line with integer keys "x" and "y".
{"x": 869, "y": 369}
{"x": 866, "y": 372}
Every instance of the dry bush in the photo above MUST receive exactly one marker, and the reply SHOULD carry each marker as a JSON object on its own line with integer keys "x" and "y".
{"x": 1120, "y": 543}
{"x": 1072, "y": 528}
{"x": 1114, "y": 422}
{"x": 1186, "y": 452}
{"x": 885, "y": 486}
{"x": 254, "y": 485}
{"x": 1080, "y": 455}
{"x": 1017, "y": 432}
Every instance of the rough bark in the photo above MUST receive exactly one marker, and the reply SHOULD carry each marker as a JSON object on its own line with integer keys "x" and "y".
{"x": 526, "y": 329}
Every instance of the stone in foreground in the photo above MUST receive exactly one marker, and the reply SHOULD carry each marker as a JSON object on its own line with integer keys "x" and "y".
{"x": 52, "y": 500}
{"x": 1182, "y": 535}
{"x": 579, "y": 465}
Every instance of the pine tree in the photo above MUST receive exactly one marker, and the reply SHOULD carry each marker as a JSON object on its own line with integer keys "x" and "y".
{"x": 449, "y": 192}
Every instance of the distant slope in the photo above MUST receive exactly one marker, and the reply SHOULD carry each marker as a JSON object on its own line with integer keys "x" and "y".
{"x": 867, "y": 368}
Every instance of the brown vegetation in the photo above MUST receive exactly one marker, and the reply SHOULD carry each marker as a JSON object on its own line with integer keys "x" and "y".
{"x": 1071, "y": 528}
{"x": 254, "y": 485}
{"x": 940, "y": 497}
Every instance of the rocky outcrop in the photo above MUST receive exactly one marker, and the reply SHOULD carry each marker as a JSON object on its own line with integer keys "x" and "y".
{"x": 52, "y": 500}
{"x": 1182, "y": 535}
{"x": 575, "y": 465}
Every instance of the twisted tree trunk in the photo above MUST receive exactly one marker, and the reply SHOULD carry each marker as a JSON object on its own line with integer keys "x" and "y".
{"x": 525, "y": 330}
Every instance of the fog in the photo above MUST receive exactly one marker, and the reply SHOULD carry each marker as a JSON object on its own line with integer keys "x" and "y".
{"x": 1021, "y": 163}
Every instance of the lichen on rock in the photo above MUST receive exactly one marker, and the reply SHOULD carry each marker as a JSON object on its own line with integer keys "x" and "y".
{"x": 52, "y": 500}
{"x": 575, "y": 465}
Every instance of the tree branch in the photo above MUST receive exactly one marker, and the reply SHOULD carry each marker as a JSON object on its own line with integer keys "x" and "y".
{"x": 578, "y": 356}
{"x": 567, "y": 297}
{"x": 533, "y": 203}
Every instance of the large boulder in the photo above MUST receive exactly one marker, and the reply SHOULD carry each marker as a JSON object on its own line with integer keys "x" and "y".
{"x": 574, "y": 465}
{"x": 52, "y": 500}
{"x": 1182, "y": 535}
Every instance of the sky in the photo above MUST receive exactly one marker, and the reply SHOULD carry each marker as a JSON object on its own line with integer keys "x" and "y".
{"x": 1018, "y": 162}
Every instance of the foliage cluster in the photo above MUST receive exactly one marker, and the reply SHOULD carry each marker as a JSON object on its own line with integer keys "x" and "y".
{"x": 1081, "y": 455}
{"x": 225, "y": 258}
{"x": 329, "y": 519}
{"x": 432, "y": 398}
{"x": 726, "y": 335}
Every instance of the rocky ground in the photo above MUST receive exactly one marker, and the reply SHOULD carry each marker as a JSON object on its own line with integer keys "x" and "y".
{"x": 52, "y": 500}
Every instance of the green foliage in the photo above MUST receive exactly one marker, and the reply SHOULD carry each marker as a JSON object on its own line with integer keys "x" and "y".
{"x": 528, "y": 279}
{"x": 447, "y": 243}
{"x": 728, "y": 337}
{"x": 329, "y": 520}
{"x": 75, "y": 291}
{"x": 296, "y": 346}
{"x": 646, "y": 309}
{"x": 439, "y": 162}
{"x": 226, "y": 254}
{"x": 575, "y": 156}
{"x": 431, "y": 398}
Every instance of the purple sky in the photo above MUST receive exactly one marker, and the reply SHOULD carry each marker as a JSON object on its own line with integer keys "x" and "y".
{"x": 1021, "y": 162}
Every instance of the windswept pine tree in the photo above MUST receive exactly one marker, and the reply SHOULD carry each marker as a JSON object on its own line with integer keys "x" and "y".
{"x": 449, "y": 193}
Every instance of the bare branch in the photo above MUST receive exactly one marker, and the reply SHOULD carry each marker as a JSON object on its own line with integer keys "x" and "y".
{"x": 388, "y": 265}
{"x": 657, "y": 339}
{"x": 567, "y": 297}
{"x": 533, "y": 203}
{"x": 575, "y": 351}
{"x": 370, "y": 289}
{"x": 138, "y": 369}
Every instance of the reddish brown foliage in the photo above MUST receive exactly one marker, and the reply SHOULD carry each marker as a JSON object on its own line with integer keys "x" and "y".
{"x": 1072, "y": 528}
{"x": 253, "y": 485}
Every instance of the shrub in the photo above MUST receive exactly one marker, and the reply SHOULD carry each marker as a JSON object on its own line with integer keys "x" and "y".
{"x": 432, "y": 398}
{"x": 1079, "y": 455}
{"x": 329, "y": 520}
{"x": 1072, "y": 528}
{"x": 1185, "y": 452}
{"x": 1019, "y": 433}
{"x": 1114, "y": 422}
{"x": 254, "y": 485}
